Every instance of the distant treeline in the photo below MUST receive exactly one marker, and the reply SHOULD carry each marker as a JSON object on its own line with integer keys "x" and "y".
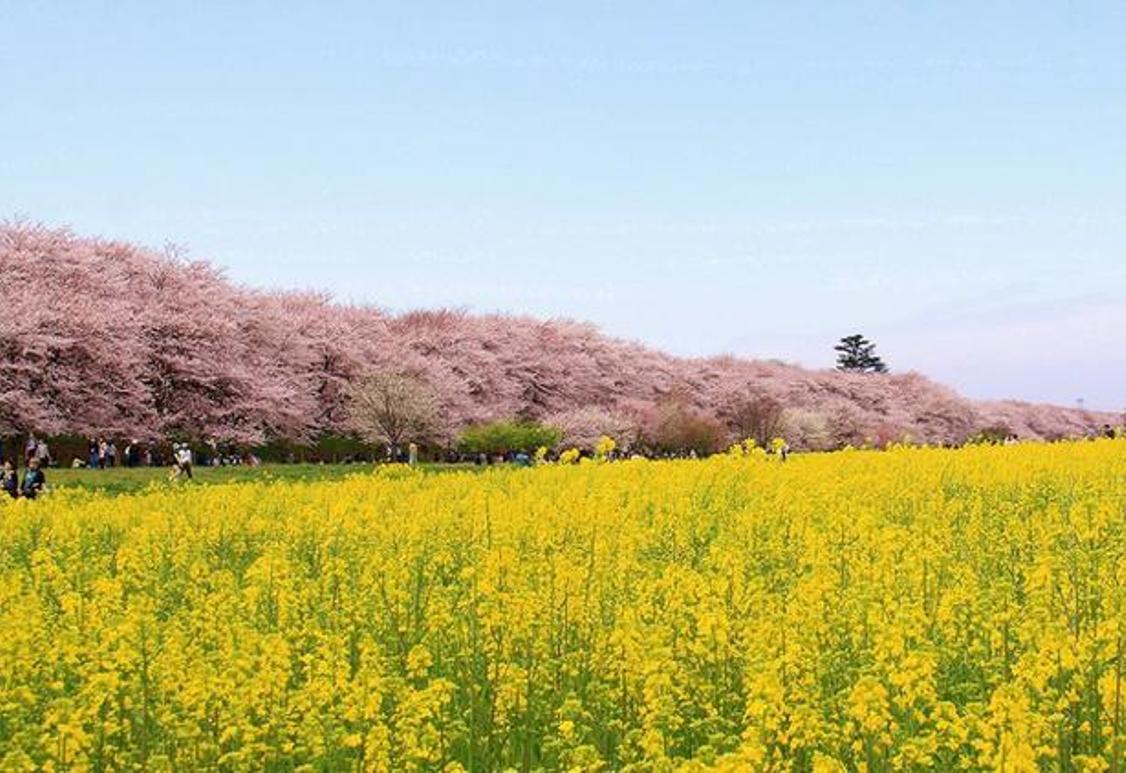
{"x": 104, "y": 338}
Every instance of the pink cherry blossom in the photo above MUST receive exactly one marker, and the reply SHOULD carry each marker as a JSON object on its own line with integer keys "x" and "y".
{"x": 109, "y": 338}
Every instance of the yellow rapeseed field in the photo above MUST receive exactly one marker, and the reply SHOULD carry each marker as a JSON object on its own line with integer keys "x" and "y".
{"x": 909, "y": 609}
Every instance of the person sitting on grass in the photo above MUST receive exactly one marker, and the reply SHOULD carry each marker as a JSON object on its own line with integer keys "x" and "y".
{"x": 9, "y": 481}
{"x": 34, "y": 481}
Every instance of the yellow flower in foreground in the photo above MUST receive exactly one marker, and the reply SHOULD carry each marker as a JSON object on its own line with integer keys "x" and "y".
{"x": 914, "y": 609}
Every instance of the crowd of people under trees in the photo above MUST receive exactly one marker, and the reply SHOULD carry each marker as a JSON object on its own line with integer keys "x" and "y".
{"x": 102, "y": 454}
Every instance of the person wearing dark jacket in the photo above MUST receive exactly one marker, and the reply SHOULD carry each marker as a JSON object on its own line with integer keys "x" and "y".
{"x": 9, "y": 481}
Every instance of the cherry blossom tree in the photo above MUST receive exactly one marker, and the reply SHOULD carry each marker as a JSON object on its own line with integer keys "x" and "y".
{"x": 69, "y": 352}
{"x": 394, "y": 408}
{"x": 753, "y": 415}
{"x": 583, "y": 427}
{"x": 674, "y": 426}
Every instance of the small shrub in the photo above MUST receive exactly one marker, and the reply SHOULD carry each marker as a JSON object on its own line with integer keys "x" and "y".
{"x": 501, "y": 437}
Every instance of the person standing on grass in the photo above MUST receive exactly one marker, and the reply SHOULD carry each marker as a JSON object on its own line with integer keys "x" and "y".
{"x": 183, "y": 457}
{"x": 34, "y": 480}
{"x": 30, "y": 449}
{"x": 103, "y": 451}
{"x": 9, "y": 481}
{"x": 111, "y": 454}
{"x": 43, "y": 454}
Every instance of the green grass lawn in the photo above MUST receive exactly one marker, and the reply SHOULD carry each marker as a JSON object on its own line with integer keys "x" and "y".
{"x": 122, "y": 480}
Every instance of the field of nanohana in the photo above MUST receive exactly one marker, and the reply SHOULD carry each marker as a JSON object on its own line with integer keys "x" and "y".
{"x": 917, "y": 608}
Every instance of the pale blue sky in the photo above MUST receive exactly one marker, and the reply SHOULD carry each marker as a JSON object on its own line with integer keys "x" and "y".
{"x": 755, "y": 178}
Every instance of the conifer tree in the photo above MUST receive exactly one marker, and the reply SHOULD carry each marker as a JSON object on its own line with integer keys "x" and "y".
{"x": 856, "y": 354}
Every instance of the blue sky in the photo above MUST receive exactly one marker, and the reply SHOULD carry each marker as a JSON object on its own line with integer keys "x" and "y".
{"x": 755, "y": 178}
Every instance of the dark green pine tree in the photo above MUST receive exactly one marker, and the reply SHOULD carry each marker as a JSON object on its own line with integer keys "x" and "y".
{"x": 856, "y": 354}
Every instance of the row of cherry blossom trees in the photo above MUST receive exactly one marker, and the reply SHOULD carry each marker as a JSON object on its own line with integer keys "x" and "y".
{"x": 108, "y": 338}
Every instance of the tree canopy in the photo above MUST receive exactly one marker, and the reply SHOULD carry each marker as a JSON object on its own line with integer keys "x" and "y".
{"x": 108, "y": 338}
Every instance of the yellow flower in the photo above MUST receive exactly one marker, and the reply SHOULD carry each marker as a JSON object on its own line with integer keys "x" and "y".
{"x": 918, "y": 608}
